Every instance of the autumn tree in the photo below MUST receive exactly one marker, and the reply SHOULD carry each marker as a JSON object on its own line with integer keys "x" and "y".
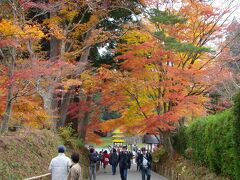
{"x": 162, "y": 76}
{"x": 15, "y": 35}
{"x": 229, "y": 62}
{"x": 56, "y": 59}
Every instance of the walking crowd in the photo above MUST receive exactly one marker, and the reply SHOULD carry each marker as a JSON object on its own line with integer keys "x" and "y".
{"x": 64, "y": 168}
{"x": 123, "y": 159}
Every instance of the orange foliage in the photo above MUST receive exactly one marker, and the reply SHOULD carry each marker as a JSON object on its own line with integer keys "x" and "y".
{"x": 154, "y": 87}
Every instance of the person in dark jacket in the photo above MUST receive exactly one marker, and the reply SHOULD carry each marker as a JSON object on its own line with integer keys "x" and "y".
{"x": 124, "y": 163}
{"x": 113, "y": 161}
{"x": 93, "y": 158}
{"x": 145, "y": 160}
{"x": 137, "y": 160}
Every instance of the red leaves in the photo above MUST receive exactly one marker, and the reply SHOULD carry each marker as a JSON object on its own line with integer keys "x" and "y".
{"x": 26, "y": 4}
{"x": 8, "y": 43}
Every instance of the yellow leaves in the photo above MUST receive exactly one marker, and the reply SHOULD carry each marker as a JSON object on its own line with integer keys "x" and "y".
{"x": 88, "y": 81}
{"x": 7, "y": 28}
{"x": 53, "y": 19}
{"x": 29, "y": 112}
{"x": 55, "y": 25}
{"x": 68, "y": 13}
{"x": 56, "y": 31}
{"x": 32, "y": 32}
{"x": 136, "y": 37}
{"x": 82, "y": 28}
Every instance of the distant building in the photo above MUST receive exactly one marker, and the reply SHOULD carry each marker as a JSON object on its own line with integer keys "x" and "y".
{"x": 118, "y": 138}
{"x": 151, "y": 141}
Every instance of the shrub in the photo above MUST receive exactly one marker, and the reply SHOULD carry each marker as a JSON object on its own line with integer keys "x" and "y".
{"x": 236, "y": 133}
{"x": 70, "y": 139}
{"x": 179, "y": 140}
{"x": 210, "y": 141}
{"x": 158, "y": 154}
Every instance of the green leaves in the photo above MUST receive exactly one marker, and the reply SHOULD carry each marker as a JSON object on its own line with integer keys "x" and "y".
{"x": 236, "y": 126}
{"x": 212, "y": 143}
{"x": 165, "y": 17}
{"x": 173, "y": 44}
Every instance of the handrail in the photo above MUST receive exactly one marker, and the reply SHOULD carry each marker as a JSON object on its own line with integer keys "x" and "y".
{"x": 45, "y": 175}
{"x": 37, "y": 177}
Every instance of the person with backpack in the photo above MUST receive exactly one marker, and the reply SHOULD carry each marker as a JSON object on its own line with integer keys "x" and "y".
{"x": 145, "y": 161}
{"x": 113, "y": 160}
{"x": 105, "y": 160}
{"x": 124, "y": 163}
{"x": 75, "y": 169}
{"x": 93, "y": 158}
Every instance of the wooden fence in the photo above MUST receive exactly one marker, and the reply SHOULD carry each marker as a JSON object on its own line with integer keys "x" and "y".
{"x": 168, "y": 172}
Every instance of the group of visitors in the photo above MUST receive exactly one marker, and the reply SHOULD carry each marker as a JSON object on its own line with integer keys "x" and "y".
{"x": 64, "y": 168}
{"x": 122, "y": 159}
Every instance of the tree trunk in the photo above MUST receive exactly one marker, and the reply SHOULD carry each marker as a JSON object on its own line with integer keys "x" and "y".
{"x": 55, "y": 46}
{"x": 64, "y": 108}
{"x": 8, "y": 109}
{"x": 82, "y": 126}
{"x": 50, "y": 105}
{"x": 167, "y": 143}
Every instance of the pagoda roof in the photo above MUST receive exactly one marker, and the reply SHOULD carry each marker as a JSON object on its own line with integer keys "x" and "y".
{"x": 117, "y": 131}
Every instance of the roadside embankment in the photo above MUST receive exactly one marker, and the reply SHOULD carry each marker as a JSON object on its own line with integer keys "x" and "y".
{"x": 25, "y": 153}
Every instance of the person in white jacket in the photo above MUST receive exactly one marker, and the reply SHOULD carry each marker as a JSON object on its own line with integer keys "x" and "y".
{"x": 59, "y": 166}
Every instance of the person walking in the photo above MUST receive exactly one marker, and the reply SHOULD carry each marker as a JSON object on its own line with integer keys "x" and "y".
{"x": 145, "y": 160}
{"x": 130, "y": 155}
{"x": 59, "y": 166}
{"x": 93, "y": 159}
{"x": 113, "y": 160}
{"x": 124, "y": 163}
{"x": 137, "y": 160}
{"x": 105, "y": 160}
{"x": 100, "y": 158}
{"x": 75, "y": 169}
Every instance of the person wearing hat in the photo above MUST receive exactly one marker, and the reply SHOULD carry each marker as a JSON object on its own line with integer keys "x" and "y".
{"x": 145, "y": 161}
{"x": 124, "y": 163}
{"x": 59, "y": 166}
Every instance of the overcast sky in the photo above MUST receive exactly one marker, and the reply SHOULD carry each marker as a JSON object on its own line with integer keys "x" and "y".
{"x": 235, "y": 5}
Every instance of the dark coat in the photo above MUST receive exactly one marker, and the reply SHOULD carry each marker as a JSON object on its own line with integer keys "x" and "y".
{"x": 124, "y": 160}
{"x": 113, "y": 159}
{"x": 148, "y": 157}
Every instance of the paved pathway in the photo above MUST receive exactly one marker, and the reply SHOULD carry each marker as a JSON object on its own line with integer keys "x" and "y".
{"x": 132, "y": 174}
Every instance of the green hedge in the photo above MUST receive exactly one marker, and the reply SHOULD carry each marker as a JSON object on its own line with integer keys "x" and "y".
{"x": 236, "y": 132}
{"x": 213, "y": 142}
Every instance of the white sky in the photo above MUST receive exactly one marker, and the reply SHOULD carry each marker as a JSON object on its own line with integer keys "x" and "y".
{"x": 235, "y": 7}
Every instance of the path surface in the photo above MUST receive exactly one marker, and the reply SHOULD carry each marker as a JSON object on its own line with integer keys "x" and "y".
{"x": 132, "y": 174}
